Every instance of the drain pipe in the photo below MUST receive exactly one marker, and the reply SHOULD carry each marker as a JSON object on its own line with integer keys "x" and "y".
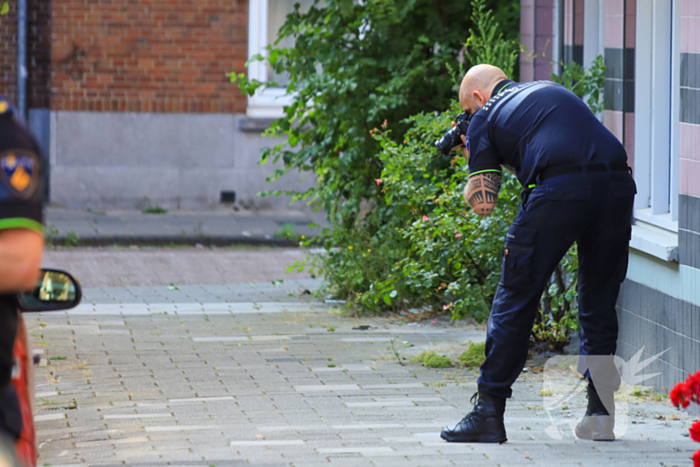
{"x": 22, "y": 58}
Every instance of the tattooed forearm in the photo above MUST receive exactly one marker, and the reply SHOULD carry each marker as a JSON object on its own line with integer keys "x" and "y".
{"x": 492, "y": 181}
{"x": 482, "y": 192}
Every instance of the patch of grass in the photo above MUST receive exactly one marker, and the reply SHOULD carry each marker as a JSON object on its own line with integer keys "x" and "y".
{"x": 72, "y": 239}
{"x": 49, "y": 233}
{"x": 155, "y": 210}
{"x": 287, "y": 231}
{"x": 474, "y": 356}
{"x": 58, "y": 358}
{"x": 647, "y": 394}
{"x": 437, "y": 384}
{"x": 430, "y": 359}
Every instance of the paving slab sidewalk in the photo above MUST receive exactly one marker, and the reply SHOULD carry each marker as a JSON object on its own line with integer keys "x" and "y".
{"x": 220, "y": 227}
{"x": 261, "y": 374}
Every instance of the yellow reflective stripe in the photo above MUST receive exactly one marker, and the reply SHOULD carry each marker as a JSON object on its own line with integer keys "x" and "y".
{"x": 482, "y": 171}
{"x": 21, "y": 223}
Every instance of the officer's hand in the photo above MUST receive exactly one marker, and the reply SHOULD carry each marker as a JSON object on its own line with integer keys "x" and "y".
{"x": 464, "y": 147}
{"x": 454, "y": 124}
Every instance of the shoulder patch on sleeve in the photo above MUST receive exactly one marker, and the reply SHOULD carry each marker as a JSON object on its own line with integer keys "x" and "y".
{"x": 20, "y": 170}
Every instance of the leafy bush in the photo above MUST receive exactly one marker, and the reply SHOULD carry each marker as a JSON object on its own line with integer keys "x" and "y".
{"x": 452, "y": 256}
{"x": 401, "y": 236}
{"x": 381, "y": 60}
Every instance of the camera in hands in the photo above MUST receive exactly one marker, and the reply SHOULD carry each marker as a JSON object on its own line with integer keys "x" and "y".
{"x": 452, "y": 138}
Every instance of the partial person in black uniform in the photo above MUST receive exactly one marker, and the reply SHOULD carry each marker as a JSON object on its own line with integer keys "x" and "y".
{"x": 577, "y": 189}
{"x": 21, "y": 245}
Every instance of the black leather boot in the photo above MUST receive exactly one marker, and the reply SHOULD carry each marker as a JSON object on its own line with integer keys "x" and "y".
{"x": 484, "y": 424}
{"x": 599, "y": 421}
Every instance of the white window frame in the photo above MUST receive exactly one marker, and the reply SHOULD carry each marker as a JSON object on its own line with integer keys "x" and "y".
{"x": 657, "y": 98}
{"x": 657, "y": 127}
{"x": 266, "y": 102}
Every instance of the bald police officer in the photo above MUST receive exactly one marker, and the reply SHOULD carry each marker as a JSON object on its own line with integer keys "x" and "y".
{"x": 577, "y": 189}
{"x": 21, "y": 244}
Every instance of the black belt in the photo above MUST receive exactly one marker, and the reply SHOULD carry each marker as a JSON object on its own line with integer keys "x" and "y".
{"x": 556, "y": 171}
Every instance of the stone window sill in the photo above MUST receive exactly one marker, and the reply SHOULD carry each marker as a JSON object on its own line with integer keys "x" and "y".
{"x": 657, "y": 239}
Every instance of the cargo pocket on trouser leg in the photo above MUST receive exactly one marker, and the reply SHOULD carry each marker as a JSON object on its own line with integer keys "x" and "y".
{"x": 518, "y": 256}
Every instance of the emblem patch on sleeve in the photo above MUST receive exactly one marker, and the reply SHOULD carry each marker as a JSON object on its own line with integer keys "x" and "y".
{"x": 20, "y": 172}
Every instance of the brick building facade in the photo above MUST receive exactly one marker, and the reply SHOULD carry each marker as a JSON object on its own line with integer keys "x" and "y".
{"x": 132, "y": 102}
{"x": 148, "y": 56}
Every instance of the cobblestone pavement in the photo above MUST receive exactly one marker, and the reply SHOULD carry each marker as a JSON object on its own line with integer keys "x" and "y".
{"x": 119, "y": 267}
{"x": 235, "y": 375}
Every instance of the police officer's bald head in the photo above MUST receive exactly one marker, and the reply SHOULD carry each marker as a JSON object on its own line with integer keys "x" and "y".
{"x": 477, "y": 86}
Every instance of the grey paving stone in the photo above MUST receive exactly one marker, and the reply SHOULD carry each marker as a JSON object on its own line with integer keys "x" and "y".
{"x": 256, "y": 402}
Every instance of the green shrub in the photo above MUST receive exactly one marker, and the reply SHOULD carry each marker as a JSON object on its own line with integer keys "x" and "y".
{"x": 400, "y": 234}
{"x": 474, "y": 356}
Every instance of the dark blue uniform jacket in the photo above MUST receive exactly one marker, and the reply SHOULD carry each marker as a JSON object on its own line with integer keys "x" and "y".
{"x": 532, "y": 126}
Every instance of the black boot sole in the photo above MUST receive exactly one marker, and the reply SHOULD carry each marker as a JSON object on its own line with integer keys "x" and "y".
{"x": 476, "y": 439}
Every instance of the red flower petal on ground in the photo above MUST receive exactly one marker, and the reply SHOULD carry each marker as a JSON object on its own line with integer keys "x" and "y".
{"x": 695, "y": 431}
{"x": 696, "y": 459}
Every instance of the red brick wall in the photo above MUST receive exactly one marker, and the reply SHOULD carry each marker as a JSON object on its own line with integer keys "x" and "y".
{"x": 38, "y": 53}
{"x": 8, "y": 53}
{"x": 148, "y": 55}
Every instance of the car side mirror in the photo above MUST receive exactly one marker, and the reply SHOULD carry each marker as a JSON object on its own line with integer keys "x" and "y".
{"x": 55, "y": 290}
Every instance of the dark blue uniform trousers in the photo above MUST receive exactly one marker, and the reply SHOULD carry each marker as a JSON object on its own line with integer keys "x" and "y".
{"x": 594, "y": 210}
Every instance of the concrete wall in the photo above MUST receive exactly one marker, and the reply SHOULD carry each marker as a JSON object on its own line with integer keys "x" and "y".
{"x": 133, "y": 160}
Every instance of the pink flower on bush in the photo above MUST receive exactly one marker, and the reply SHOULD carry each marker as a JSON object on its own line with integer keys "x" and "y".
{"x": 457, "y": 235}
{"x": 425, "y": 218}
{"x": 378, "y": 180}
{"x": 446, "y": 307}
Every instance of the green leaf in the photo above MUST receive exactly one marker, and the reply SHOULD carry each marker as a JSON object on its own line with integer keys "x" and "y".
{"x": 387, "y": 299}
{"x": 5, "y": 8}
